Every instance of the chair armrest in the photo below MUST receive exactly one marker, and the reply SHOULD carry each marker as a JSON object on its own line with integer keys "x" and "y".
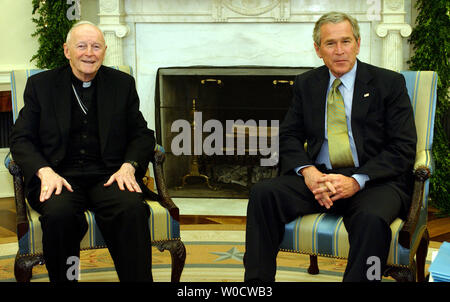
{"x": 8, "y": 159}
{"x": 424, "y": 160}
{"x": 421, "y": 174}
{"x": 19, "y": 198}
{"x": 163, "y": 193}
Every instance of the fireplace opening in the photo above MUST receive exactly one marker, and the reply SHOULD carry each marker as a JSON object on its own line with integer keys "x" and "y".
{"x": 219, "y": 126}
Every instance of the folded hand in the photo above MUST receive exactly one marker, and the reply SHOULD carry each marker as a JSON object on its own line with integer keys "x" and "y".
{"x": 344, "y": 186}
{"x": 322, "y": 190}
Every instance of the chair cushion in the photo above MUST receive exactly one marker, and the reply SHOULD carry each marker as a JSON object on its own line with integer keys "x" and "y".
{"x": 162, "y": 227}
{"x": 325, "y": 235}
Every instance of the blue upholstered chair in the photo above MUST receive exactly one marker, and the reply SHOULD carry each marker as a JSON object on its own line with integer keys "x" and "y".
{"x": 325, "y": 234}
{"x": 164, "y": 214}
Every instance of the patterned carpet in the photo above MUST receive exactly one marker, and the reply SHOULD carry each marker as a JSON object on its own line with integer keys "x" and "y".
{"x": 211, "y": 256}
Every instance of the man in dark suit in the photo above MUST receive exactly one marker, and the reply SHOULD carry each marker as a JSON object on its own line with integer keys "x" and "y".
{"x": 82, "y": 143}
{"x": 358, "y": 159}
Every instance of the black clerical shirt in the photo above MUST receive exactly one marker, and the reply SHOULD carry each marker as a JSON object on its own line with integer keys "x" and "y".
{"x": 83, "y": 155}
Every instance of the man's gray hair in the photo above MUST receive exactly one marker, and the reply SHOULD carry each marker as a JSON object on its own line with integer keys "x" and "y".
{"x": 334, "y": 17}
{"x": 78, "y": 24}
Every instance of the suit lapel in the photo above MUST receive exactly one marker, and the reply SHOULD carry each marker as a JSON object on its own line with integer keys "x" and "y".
{"x": 105, "y": 105}
{"x": 319, "y": 97}
{"x": 62, "y": 99}
{"x": 363, "y": 94}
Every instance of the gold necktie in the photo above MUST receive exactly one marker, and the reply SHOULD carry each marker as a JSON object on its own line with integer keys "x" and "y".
{"x": 338, "y": 141}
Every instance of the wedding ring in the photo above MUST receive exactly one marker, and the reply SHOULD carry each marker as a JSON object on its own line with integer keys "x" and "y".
{"x": 45, "y": 188}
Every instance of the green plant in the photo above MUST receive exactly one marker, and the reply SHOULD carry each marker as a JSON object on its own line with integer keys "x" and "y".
{"x": 52, "y": 26}
{"x": 430, "y": 40}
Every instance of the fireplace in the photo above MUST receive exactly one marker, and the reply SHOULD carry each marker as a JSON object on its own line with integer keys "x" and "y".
{"x": 219, "y": 126}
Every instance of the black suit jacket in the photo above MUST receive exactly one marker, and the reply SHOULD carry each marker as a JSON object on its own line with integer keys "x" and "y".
{"x": 382, "y": 125}
{"x": 40, "y": 135}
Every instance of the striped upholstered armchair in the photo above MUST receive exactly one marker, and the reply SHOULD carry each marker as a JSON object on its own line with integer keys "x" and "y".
{"x": 325, "y": 234}
{"x": 164, "y": 214}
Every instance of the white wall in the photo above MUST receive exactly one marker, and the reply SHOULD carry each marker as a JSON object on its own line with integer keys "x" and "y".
{"x": 16, "y": 28}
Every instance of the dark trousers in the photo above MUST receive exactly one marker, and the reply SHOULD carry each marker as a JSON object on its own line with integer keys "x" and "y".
{"x": 122, "y": 217}
{"x": 275, "y": 202}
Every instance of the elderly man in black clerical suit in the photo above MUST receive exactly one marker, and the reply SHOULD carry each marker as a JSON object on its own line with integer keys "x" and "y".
{"x": 358, "y": 124}
{"x": 82, "y": 143}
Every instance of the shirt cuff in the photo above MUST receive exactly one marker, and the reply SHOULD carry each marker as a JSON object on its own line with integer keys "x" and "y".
{"x": 297, "y": 170}
{"x": 361, "y": 179}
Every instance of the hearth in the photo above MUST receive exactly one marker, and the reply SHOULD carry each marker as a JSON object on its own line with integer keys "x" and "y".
{"x": 219, "y": 126}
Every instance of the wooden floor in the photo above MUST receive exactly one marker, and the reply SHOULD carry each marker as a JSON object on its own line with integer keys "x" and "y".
{"x": 439, "y": 228}
{"x": 7, "y": 220}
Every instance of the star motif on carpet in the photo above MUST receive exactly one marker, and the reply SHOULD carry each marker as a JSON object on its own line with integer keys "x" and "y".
{"x": 233, "y": 253}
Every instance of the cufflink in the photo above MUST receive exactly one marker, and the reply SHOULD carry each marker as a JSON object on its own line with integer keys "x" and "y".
{"x": 366, "y": 95}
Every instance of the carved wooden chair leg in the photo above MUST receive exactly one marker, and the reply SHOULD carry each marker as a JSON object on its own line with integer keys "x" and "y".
{"x": 421, "y": 256}
{"x": 178, "y": 254}
{"x": 23, "y": 267}
{"x": 313, "y": 266}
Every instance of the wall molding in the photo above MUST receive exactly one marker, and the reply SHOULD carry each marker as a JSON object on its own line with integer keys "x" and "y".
{"x": 5, "y": 77}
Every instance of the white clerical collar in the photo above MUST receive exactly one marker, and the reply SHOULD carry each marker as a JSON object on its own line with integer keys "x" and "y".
{"x": 87, "y": 84}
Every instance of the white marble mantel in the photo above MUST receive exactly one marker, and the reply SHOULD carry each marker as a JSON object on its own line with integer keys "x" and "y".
{"x": 151, "y": 34}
